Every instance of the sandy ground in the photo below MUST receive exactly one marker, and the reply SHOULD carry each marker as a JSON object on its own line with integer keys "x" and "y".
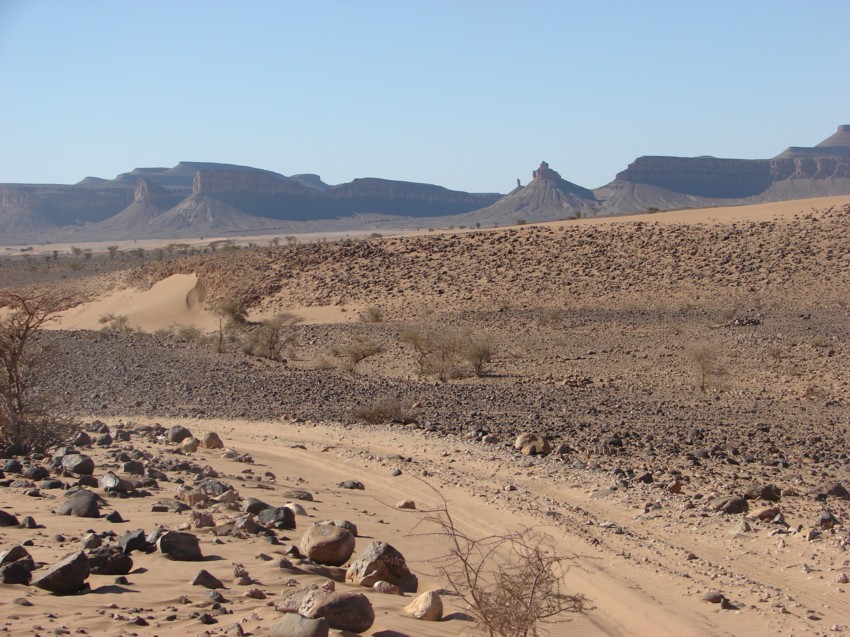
{"x": 629, "y": 593}
{"x": 179, "y": 300}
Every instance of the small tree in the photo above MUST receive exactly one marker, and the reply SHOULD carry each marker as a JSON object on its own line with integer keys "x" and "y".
{"x": 706, "y": 361}
{"x": 269, "y": 339}
{"x": 113, "y": 250}
{"x": 24, "y": 418}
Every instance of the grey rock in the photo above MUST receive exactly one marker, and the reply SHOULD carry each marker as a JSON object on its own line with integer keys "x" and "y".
{"x": 7, "y": 519}
{"x": 206, "y": 579}
{"x": 109, "y": 560}
{"x": 295, "y": 625}
{"x": 178, "y": 434}
{"x": 279, "y": 517}
{"x": 382, "y": 561}
{"x": 81, "y": 504}
{"x": 178, "y": 546}
{"x": 67, "y": 576}
{"x": 78, "y": 463}
{"x": 343, "y": 611}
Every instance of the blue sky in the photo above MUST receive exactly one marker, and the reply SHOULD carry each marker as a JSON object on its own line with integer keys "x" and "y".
{"x": 469, "y": 94}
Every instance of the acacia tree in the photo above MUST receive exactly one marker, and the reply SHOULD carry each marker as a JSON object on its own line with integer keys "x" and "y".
{"x": 24, "y": 420}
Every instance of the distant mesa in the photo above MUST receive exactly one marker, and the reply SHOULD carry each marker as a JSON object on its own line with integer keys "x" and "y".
{"x": 201, "y": 198}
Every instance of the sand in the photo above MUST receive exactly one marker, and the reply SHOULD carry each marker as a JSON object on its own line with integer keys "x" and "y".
{"x": 629, "y": 595}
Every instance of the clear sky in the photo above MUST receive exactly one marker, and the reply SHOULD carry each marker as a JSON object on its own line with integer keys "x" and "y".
{"x": 466, "y": 94}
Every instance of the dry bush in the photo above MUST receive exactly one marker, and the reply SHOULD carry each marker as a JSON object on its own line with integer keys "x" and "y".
{"x": 385, "y": 411}
{"x": 115, "y": 323}
{"x": 372, "y": 314}
{"x": 449, "y": 354}
{"x": 27, "y": 419}
{"x": 357, "y": 351}
{"x": 512, "y": 583}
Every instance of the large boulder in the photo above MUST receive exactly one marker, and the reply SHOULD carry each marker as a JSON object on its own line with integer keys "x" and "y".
{"x": 343, "y": 611}
{"x": 81, "y": 504}
{"x": 7, "y": 519}
{"x": 67, "y": 576}
{"x": 110, "y": 560}
{"x": 180, "y": 547}
{"x": 295, "y": 625}
{"x": 331, "y": 545}
{"x": 381, "y": 561}
{"x": 78, "y": 463}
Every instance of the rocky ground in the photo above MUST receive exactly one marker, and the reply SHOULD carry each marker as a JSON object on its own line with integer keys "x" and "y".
{"x": 602, "y": 338}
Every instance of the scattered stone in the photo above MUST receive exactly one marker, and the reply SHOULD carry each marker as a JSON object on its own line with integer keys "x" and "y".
{"x": 66, "y": 577}
{"x": 731, "y": 504}
{"x": 406, "y": 504}
{"x": 114, "y": 517}
{"x": 352, "y": 484}
{"x": 78, "y": 463}
{"x": 181, "y": 547}
{"x": 82, "y": 504}
{"x": 206, "y": 579}
{"x": 211, "y": 440}
{"x": 277, "y": 517}
{"x": 343, "y": 611}
{"x": 327, "y": 544}
{"x": 382, "y": 561}
{"x": 427, "y": 607}
{"x": 386, "y": 588}
{"x": 178, "y": 434}
{"x": 295, "y": 625}
{"x": 111, "y": 482}
{"x": 110, "y": 560}
{"x": 532, "y": 444}
{"x": 7, "y": 519}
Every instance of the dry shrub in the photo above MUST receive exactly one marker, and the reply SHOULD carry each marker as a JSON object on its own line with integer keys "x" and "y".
{"x": 357, "y": 351}
{"x": 449, "y": 354}
{"x": 115, "y": 323}
{"x": 385, "y": 411}
{"x": 372, "y": 314}
{"x": 512, "y": 583}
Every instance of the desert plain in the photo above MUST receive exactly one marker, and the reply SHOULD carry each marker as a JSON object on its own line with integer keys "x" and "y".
{"x": 688, "y": 372}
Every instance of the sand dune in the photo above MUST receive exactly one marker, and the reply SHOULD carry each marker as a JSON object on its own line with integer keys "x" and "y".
{"x": 179, "y": 299}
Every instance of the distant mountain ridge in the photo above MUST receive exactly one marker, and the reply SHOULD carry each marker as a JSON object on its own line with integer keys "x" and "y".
{"x": 202, "y": 198}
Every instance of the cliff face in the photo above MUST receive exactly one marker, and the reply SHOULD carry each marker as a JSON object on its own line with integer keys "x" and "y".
{"x": 701, "y": 176}
{"x": 744, "y": 178}
{"x": 65, "y": 205}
